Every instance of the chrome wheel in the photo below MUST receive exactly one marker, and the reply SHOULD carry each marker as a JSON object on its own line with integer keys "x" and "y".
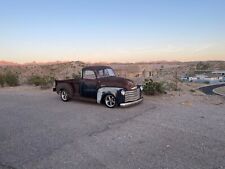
{"x": 110, "y": 101}
{"x": 64, "y": 95}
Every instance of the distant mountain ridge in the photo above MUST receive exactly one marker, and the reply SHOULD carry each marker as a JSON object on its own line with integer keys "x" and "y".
{"x": 9, "y": 63}
{"x": 2, "y": 62}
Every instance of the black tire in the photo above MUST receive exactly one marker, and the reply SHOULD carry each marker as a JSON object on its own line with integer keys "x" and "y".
{"x": 64, "y": 95}
{"x": 65, "y": 91}
{"x": 110, "y": 101}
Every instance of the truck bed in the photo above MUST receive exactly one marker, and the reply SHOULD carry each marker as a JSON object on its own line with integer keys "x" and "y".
{"x": 68, "y": 81}
{"x": 74, "y": 83}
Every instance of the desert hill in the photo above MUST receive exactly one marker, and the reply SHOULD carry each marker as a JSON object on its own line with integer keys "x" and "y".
{"x": 64, "y": 70}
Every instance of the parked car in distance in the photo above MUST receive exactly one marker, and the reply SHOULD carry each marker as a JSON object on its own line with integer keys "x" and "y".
{"x": 101, "y": 84}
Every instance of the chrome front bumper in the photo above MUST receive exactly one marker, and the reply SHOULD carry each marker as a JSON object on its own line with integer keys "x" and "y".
{"x": 131, "y": 103}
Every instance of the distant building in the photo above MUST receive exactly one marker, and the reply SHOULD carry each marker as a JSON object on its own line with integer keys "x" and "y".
{"x": 214, "y": 77}
{"x": 219, "y": 73}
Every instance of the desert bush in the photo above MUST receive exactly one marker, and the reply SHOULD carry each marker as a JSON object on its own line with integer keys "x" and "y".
{"x": 42, "y": 81}
{"x": 206, "y": 82}
{"x": 35, "y": 80}
{"x": 192, "y": 90}
{"x": 152, "y": 88}
{"x": 2, "y": 80}
{"x": 76, "y": 75}
{"x": 170, "y": 86}
{"x": 202, "y": 66}
{"x": 221, "y": 65}
{"x": 47, "y": 82}
{"x": 11, "y": 79}
{"x": 191, "y": 71}
{"x": 67, "y": 77}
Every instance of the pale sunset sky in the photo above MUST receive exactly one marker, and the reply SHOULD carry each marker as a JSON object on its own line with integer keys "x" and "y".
{"x": 112, "y": 30}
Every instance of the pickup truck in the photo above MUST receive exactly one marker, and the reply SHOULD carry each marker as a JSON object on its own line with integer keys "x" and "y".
{"x": 100, "y": 84}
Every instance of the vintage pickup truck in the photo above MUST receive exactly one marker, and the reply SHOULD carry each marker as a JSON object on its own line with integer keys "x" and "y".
{"x": 101, "y": 84}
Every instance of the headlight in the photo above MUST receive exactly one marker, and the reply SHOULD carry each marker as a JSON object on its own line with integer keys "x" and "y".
{"x": 123, "y": 92}
{"x": 141, "y": 87}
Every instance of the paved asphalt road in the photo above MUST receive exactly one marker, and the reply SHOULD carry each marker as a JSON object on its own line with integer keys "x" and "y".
{"x": 38, "y": 131}
{"x": 209, "y": 89}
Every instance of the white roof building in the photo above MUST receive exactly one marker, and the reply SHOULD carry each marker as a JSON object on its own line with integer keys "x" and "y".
{"x": 220, "y": 72}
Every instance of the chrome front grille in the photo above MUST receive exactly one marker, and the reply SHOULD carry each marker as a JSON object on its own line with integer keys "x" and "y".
{"x": 132, "y": 95}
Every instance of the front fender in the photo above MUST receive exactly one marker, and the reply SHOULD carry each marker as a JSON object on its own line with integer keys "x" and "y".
{"x": 104, "y": 90}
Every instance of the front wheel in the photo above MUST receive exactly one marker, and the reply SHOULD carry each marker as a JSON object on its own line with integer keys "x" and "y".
{"x": 110, "y": 101}
{"x": 64, "y": 94}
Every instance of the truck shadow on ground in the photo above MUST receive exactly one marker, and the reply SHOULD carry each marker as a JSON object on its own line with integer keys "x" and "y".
{"x": 92, "y": 102}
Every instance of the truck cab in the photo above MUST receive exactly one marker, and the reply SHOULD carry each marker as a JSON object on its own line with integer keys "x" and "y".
{"x": 101, "y": 84}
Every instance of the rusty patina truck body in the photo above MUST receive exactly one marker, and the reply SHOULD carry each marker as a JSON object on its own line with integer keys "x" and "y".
{"x": 102, "y": 85}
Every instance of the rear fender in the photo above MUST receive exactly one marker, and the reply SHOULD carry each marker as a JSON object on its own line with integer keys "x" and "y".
{"x": 106, "y": 90}
{"x": 66, "y": 86}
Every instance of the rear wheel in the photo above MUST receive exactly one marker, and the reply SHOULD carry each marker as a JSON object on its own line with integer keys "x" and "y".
{"x": 110, "y": 101}
{"x": 64, "y": 95}
{"x": 65, "y": 91}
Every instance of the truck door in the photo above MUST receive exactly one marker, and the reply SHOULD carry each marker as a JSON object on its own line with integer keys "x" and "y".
{"x": 88, "y": 85}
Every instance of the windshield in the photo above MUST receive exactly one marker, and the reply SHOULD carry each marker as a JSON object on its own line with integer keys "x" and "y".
{"x": 105, "y": 72}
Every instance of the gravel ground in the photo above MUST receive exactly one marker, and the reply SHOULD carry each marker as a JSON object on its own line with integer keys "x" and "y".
{"x": 39, "y": 131}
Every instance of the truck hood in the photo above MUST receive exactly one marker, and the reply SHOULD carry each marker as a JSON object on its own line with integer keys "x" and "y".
{"x": 114, "y": 81}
